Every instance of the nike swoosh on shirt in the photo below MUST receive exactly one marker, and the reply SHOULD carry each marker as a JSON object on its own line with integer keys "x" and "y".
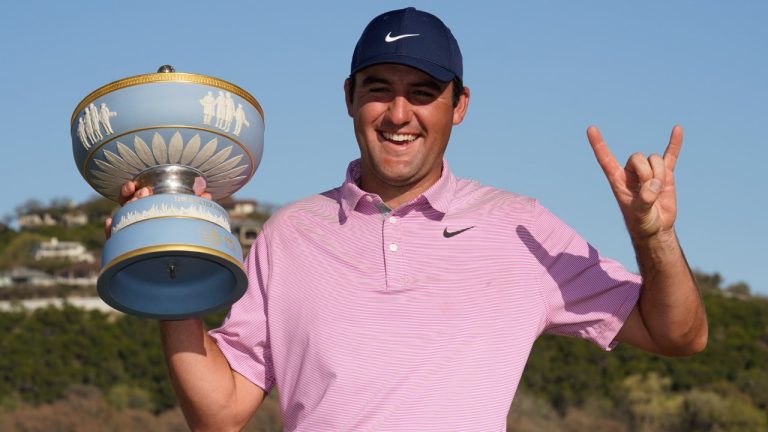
{"x": 390, "y": 38}
{"x": 447, "y": 234}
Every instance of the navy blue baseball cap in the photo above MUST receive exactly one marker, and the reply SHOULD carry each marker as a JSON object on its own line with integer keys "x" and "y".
{"x": 413, "y": 38}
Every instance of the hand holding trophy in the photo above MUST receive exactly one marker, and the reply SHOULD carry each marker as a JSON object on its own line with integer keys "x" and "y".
{"x": 170, "y": 255}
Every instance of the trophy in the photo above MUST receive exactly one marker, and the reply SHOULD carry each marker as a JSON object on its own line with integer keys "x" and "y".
{"x": 170, "y": 255}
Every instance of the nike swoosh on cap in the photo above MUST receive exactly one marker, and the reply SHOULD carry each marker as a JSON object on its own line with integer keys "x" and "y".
{"x": 390, "y": 38}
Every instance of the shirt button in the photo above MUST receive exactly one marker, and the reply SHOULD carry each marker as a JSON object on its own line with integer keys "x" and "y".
{"x": 369, "y": 198}
{"x": 393, "y": 247}
{"x": 392, "y": 219}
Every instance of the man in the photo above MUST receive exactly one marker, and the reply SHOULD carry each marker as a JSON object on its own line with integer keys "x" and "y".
{"x": 409, "y": 299}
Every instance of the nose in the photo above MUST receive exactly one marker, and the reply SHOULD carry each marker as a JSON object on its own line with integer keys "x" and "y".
{"x": 399, "y": 111}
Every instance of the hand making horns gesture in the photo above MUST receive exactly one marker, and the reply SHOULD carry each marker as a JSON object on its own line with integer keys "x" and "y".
{"x": 645, "y": 187}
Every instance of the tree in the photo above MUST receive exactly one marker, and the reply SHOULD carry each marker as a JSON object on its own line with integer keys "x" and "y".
{"x": 754, "y": 383}
{"x": 739, "y": 289}
{"x": 708, "y": 282}
{"x": 124, "y": 397}
{"x": 98, "y": 208}
{"x": 29, "y": 206}
{"x": 652, "y": 405}
{"x": 18, "y": 250}
{"x": 707, "y": 411}
{"x": 60, "y": 205}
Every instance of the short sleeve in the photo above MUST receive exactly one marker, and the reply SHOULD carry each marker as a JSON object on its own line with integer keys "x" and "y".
{"x": 243, "y": 336}
{"x": 587, "y": 296}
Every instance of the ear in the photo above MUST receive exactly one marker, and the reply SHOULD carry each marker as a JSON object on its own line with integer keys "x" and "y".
{"x": 347, "y": 98}
{"x": 460, "y": 110}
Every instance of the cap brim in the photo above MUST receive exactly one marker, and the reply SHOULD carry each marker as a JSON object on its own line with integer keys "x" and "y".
{"x": 437, "y": 72}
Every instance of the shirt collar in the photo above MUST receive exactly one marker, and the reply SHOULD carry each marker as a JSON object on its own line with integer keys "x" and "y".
{"x": 438, "y": 196}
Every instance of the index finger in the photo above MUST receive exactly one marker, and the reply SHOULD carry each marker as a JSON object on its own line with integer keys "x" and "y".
{"x": 603, "y": 154}
{"x": 673, "y": 148}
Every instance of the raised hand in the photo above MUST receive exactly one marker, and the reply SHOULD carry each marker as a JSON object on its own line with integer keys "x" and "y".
{"x": 645, "y": 187}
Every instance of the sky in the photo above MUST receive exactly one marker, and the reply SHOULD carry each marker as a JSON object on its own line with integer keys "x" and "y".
{"x": 540, "y": 72}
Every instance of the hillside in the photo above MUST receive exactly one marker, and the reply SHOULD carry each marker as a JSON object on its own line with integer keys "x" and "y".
{"x": 71, "y": 369}
{"x": 53, "y": 358}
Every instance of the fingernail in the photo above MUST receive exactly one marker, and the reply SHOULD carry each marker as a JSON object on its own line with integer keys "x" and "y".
{"x": 654, "y": 185}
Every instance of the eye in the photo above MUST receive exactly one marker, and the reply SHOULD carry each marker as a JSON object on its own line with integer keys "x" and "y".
{"x": 423, "y": 96}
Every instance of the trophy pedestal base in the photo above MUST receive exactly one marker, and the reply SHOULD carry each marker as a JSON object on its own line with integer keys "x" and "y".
{"x": 171, "y": 285}
{"x": 171, "y": 256}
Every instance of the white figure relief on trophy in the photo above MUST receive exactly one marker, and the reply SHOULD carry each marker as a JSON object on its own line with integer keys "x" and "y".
{"x": 81, "y": 133}
{"x": 104, "y": 115}
{"x": 223, "y": 108}
{"x": 229, "y": 113}
{"x": 209, "y": 107}
{"x": 94, "y": 113}
{"x": 90, "y": 123}
{"x": 221, "y": 170}
{"x": 240, "y": 119}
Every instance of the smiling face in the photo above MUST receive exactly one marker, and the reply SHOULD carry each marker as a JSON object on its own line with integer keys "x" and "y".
{"x": 403, "y": 119}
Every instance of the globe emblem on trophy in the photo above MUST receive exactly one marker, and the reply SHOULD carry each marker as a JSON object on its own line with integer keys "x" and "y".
{"x": 170, "y": 255}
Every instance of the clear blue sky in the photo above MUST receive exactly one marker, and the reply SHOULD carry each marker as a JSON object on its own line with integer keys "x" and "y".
{"x": 540, "y": 72}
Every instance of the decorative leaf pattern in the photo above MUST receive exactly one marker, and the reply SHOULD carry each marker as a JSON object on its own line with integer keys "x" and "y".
{"x": 216, "y": 159}
{"x": 143, "y": 151}
{"x": 129, "y": 156}
{"x": 222, "y": 172}
{"x": 204, "y": 154}
{"x": 193, "y": 146}
{"x": 117, "y": 162}
{"x": 222, "y": 167}
{"x": 226, "y": 182}
{"x": 174, "y": 148}
{"x": 109, "y": 169}
{"x": 159, "y": 149}
{"x": 228, "y": 175}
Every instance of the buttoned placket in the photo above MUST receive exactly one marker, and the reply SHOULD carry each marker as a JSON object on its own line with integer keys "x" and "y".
{"x": 394, "y": 251}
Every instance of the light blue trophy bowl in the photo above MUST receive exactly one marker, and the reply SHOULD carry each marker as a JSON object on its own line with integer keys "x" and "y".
{"x": 170, "y": 255}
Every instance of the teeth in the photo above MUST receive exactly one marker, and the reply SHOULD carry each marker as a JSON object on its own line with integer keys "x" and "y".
{"x": 399, "y": 137}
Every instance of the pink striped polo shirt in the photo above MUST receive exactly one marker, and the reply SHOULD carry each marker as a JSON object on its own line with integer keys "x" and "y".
{"x": 416, "y": 319}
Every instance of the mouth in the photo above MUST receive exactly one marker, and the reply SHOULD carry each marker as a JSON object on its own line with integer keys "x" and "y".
{"x": 399, "y": 139}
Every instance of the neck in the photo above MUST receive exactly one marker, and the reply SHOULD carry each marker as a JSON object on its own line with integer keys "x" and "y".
{"x": 395, "y": 195}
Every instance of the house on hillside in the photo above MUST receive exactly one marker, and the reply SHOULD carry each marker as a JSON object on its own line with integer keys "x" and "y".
{"x": 36, "y": 220}
{"x": 25, "y": 276}
{"x": 69, "y": 250}
{"x": 246, "y": 230}
{"x": 79, "y": 274}
{"x": 72, "y": 218}
{"x": 239, "y": 208}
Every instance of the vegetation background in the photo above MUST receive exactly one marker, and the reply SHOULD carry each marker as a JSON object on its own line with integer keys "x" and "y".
{"x": 69, "y": 369}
